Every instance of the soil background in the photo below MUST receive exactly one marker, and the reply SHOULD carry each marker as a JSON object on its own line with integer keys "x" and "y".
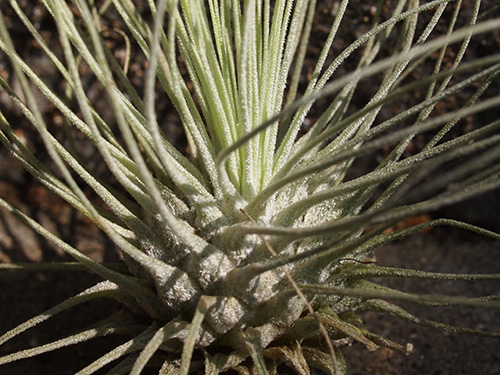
{"x": 25, "y": 294}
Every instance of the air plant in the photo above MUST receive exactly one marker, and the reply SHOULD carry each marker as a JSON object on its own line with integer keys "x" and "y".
{"x": 249, "y": 254}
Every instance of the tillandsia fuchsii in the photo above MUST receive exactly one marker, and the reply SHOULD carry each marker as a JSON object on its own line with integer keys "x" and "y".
{"x": 252, "y": 254}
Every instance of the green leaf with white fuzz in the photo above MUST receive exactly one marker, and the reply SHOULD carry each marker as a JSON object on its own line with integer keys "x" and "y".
{"x": 221, "y": 294}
